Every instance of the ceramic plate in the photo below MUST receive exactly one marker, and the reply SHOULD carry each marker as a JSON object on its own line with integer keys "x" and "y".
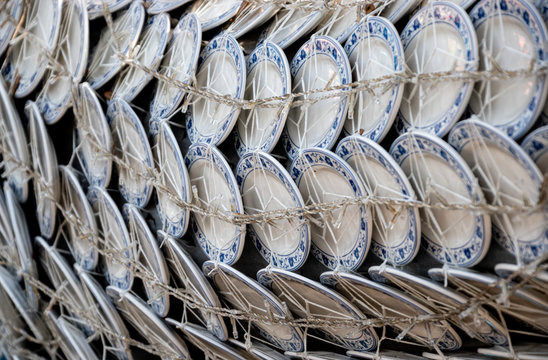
{"x": 9, "y": 18}
{"x": 398, "y": 9}
{"x": 266, "y": 186}
{"x": 221, "y": 71}
{"x": 340, "y": 237}
{"x": 213, "y": 13}
{"x": 190, "y": 276}
{"x": 71, "y": 340}
{"x": 306, "y": 298}
{"x": 508, "y": 177}
{"x": 20, "y": 244}
{"x": 92, "y": 138}
{"x": 396, "y": 229}
{"x": 11, "y": 319}
{"x": 245, "y": 294}
{"x": 527, "y": 351}
{"x": 320, "y": 63}
{"x": 65, "y": 283}
{"x": 384, "y": 355}
{"x": 70, "y": 57}
{"x": 524, "y": 304}
{"x": 154, "y": 268}
{"x": 316, "y": 355}
{"x": 440, "y": 176}
{"x": 16, "y": 157}
{"x": 159, "y": 6}
{"x": 147, "y": 54}
{"x": 259, "y": 350}
{"x": 341, "y": 22}
{"x": 438, "y": 38}
{"x": 478, "y": 323}
{"x": 173, "y": 182}
{"x": 291, "y": 24}
{"x": 104, "y": 62}
{"x": 268, "y": 76}
{"x": 6, "y": 232}
{"x": 96, "y": 7}
{"x": 80, "y": 220}
{"x": 250, "y": 16}
{"x": 179, "y": 65}
{"x": 44, "y": 163}
{"x": 464, "y": 355}
{"x": 148, "y": 324}
{"x": 133, "y": 151}
{"x": 536, "y": 146}
{"x": 106, "y": 314}
{"x": 515, "y": 36}
{"x": 217, "y": 190}
{"x": 378, "y": 300}
{"x": 374, "y": 50}
{"x": 465, "y": 4}
{"x": 113, "y": 238}
{"x": 506, "y": 270}
{"x": 26, "y": 61}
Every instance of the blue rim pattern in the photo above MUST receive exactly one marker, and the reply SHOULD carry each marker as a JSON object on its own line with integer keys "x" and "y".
{"x": 298, "y": 254}
{"x": 380, "y": 28}
{"x": 306, "y": 161}
{"x": 275, "y": 306}
{"x": 98, "y": 195}
{"x": 363, "y": 341}
{"x": 272, "y": 53}
{"x": 454, "y": 16}
{"x": 231, "y": 253}
{"x": 475, "y": 248}
{"x": 191, "y": 25}
{"x": 536, "y": 144}
{"x": 230, "y": 46}
{"x": 7, "y": 29}
{"x": 403, "y": 252}
{"x": 177, "y": 227}
{"x": 464, "y": 133}
{"x": 321, "y": 46}
{"x": 119, "y": 108}
{"x": 528, "y": 16}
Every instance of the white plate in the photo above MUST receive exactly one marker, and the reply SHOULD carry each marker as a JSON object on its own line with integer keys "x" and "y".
{"x": 396, "y": 232}
{"x": 524, "y": 304}
{"x": 259, "y": 350}
{"x": 6, "y": 232}
{"x": 44, "y": 163}
{"x": 11, "y": 319}
{"x": 20, "y": 248}
{"x": 10, "y": 287}
{"x": 159, "y": 6}
{"x": 528, "y": 351}
{"x": 465, "y": 4}
{"x": 291, "y": 24}
{"x": 92, "y": 139}
{"x": 148, "y": 324}
{"x": 9, "y": 18}
{"x": 306, "y": 298}
{"x": 250, "y": 16}
{"x": 508, "y": 177}
{"x": 316, "y": 355}
{"x": 266, "y": 186}
{"x": 71, "y": 340}
{"x": 268, "y": 76}
{"x": 464, "y": 355}
{"x": 221, "y": 71}
{"x": 506, "y": 270}
{"x": 154, "y": 268}
{"x": 340, "y": 237}
{"x": 378, "y": 300}
{"x": 71, "y": 55}
{"x": 398, "y": 9}
{"x": 96, "y": 7}
{"x": 80, "y": 220}
{"x": 383, "y": 355}
{"x": 132, "y": 149}
{"x": 190, "y": 276}
{"x": 113, "y": 238}
{"x": 104, "y": 61}
{"x": 536, "y": 146}
{"x": 320, "y": 63}
{"x": 374, "y": 50}
{"x": 16, "y": 157}
{"x": 65, "y": 283}
{"x": 106, "y": 314}
{"x": 478, "y": 323}
{"x": 174, "y": 181}
{"x": 147, "y": 54}
{"x": 215, "y": 185}
{"x": 179, "y": 65}
{"x": 439, "y": 38}
{"x": 245, "y": 294}
{"x": 516, "y": 37}
{"x": 440, "y": 176}
{"x": 213, "y": 13}
{"x": 339, "y": 23}
{"x": 28, "y": 56}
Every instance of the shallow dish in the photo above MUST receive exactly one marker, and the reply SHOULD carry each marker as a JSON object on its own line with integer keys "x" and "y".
{"x": 250, "y": 16}
{"x": 97, "y": 7}
{"x": 213, "y": 13}
{"x": 536, "y": 146}
{"x": 341, "y": 22}
{"x": 159, "y": 6}
{"x": 398, "y": 9}
{"x": 9, "y": 18}
{"x": 71, "y": 339}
